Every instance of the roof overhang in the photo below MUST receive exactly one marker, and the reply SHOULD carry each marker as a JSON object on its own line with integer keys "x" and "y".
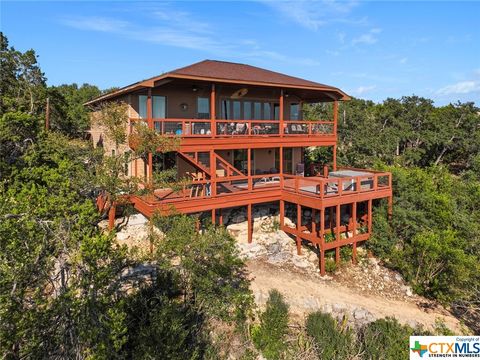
{"x": 330, "y": 92}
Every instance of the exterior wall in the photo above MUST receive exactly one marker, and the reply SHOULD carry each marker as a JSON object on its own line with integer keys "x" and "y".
{"x": 182, "y": 93}
{"x": 263, "y": 160}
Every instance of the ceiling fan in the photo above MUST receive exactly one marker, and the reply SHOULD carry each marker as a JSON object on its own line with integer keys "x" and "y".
{"x": 239, "y": 93}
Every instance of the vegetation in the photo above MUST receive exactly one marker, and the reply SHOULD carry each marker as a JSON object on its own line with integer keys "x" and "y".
{"x": 68, "y": 290}
{"x": 434, "y": 156}
{"x": 332, "y": 340}
{"x": 269, "y": 336}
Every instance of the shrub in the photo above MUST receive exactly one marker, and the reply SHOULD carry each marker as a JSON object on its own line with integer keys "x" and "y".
{"x": 332, "y": 340}
{"x": 330, "y": 265}
{"x": 269, "y": 335}
{"x": 385, "y": 339}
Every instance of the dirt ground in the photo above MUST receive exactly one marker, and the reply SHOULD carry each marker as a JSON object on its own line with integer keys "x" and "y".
{"x": 306, "y": 293}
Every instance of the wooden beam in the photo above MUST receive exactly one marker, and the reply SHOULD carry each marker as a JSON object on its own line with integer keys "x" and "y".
{"x": 249, "y": 168}
{"x": 322, "y": 241}
{"x": 214, "y": 220}
{"x": 299, "y": 229}
{"x": 282, "y": 213}
{"x": 111, "y": 216}
{"x": 337, "y": 234}
{"x": 249, "y": 220}
{"x": 150, "y": 126}
{"x": 369, "y": 216}
{"x": 280, "y": 116}
{"x": 213, "y": 115}
{"x": 334, "y": 157}
{"x": 354, "y": 231}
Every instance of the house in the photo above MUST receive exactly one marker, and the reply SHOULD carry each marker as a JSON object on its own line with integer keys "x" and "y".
{"x": 242, "y": 143}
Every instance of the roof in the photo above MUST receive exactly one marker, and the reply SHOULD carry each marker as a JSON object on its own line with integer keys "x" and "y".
{"x": 229, "y": 72}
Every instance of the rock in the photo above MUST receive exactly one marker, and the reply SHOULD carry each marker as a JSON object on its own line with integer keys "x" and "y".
{"x": 239, "y": 218}
{"x": 300, "y": 262}
{"x": 274, "y": 248}
{"x": 360, "y": 314}
{"x": 313, "y": 257}
{"x": 398, "y": 277}
{"x": 122, "y": 236}
{"x": 137, "y": 219}
{"x": 278, "y": 258}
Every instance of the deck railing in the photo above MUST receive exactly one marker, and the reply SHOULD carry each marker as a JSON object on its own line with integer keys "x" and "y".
{"x": 320, "y": 187}
{"x": 190, "y": 128}
{"x": 335, "y": 186}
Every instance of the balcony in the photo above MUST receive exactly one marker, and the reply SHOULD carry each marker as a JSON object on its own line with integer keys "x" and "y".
{"x": 339, "y": 186}
{"x": 198, "y": 128}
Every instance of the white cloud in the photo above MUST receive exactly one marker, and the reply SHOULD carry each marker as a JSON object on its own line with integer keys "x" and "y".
{"x": 462, "y": 87}
{"x": 368, "y": 38}
{"x": 315, "y": 14}
{"x": 361, "y": 90}
{"x": 96, "y": 23}
{"x": 403, "y": 60}
{"x": 183, "y": 31}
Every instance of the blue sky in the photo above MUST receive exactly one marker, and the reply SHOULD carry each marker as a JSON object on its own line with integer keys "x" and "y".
{"x": 370, "y": 49}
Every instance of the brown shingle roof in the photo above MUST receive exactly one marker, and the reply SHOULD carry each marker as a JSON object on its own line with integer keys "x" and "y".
{"x": 242, "y": 72}
{"x": 228, "y": 72}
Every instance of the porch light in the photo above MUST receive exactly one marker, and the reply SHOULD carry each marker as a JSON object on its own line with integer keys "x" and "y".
{"x": 194, "y": 88}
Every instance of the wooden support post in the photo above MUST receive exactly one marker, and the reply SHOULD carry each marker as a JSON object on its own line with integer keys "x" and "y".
{"x": 299, "y": 229}
{"x": 314, "y": 222}
{"x": 354, "y": 232}
{"x": 111, "y": 216}
{"x": 337, "y": 234}
{"x": 214, "y": 220}
{"x": 369, "y": 216}
{"x": 334, "y": 165}
{"x": 322, "y": 241}
{"x": 249, "y": 169}
{"x": 282, "y": 213}
{"x": 220, "y": 220}
{"x": 213, "y": 174}
{"x": 280, "y": 116}
{"x": 281, "y": 166}
{"x": 213, "y": 115}
{"x": 150, "y": 126}
{"x": 197, "y": 225}
{"x": 249, "y": 220}
{"x": 335, "y": 117}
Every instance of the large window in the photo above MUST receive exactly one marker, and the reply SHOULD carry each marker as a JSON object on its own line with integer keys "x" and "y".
{"x": 294, "y": 111}
{"x": 288, "y": 160}
{"x": 203, "y": 108}
{"x": 248, "y": 110}
{"x": 159, "y": 106}
{"x": 142, "y": 106}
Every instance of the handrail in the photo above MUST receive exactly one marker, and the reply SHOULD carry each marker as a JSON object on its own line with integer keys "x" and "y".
{"x": 220, "y": 128}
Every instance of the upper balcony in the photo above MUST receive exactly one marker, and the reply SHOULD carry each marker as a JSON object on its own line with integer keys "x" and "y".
{"x": 212, "y": 129}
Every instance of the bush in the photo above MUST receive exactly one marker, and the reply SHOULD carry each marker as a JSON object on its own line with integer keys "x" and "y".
{"x": 332, "y": 341}
{"x": 385, "y": 339}
{"x": 269, "y": 336}
{"x": 330, "y": 265}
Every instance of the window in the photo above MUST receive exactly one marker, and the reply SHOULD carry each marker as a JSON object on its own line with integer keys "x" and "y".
{"x": 237, "y": 110}
{"x": 294, "y": 111}
{"x": 267, "y": 112}
{"x": 257, "y": 111}
{"x": 158, "y": 107}
{"x": 142, "y": 106}
{"x": 247, "y": 110}
{"x": 276, "y": 111}
{"x": 226, "y": 109}
{"x": 203, "y": 108}
{"x": 288, "y": 160}
{"x": 158, "y": 104}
